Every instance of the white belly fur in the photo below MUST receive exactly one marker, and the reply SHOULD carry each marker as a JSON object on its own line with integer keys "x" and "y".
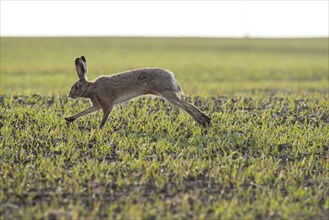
{"x": 126, "y": 97}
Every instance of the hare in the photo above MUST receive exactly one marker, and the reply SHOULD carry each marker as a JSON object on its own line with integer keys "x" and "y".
{"x": 107, "y": 91}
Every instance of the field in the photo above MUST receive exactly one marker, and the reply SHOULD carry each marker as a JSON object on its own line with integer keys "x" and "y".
{"x": 265, "y": 155}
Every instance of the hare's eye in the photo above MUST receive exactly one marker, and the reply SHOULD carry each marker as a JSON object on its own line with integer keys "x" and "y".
{"x": 77, "y": 85}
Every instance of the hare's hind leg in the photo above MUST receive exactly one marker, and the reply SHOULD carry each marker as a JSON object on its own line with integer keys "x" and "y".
{"x": 196, "y": 114}
{"x": 89, "y": 110}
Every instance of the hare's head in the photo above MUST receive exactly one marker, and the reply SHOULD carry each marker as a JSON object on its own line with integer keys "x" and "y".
{"x": 79, "y": 87}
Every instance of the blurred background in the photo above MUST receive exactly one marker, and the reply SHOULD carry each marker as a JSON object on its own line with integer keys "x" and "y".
{"x": 213, "y": 47}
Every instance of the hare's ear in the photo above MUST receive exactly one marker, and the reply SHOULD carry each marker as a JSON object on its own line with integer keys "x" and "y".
{"x": 81, "y": 67}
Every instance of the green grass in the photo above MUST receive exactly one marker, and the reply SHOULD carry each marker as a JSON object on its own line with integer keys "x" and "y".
{"x": 264, "y": 156}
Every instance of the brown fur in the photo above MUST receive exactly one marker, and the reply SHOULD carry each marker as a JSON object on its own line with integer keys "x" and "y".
{"x": 106, "y": 91}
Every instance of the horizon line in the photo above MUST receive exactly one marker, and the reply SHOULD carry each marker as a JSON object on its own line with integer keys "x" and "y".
{"x": 169, "y": 36}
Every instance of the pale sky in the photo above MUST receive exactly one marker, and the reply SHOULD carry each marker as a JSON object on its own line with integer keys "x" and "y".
{"x": 165, "y": 18}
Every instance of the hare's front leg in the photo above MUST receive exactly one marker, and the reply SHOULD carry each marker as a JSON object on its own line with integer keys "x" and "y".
{"x": 107, "y": 110}
{"x": 85, "y": 112}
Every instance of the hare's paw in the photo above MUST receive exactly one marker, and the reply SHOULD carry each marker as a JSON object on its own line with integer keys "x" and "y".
{"x": 69, "y": 119}
{"x": 204, "y": 120}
